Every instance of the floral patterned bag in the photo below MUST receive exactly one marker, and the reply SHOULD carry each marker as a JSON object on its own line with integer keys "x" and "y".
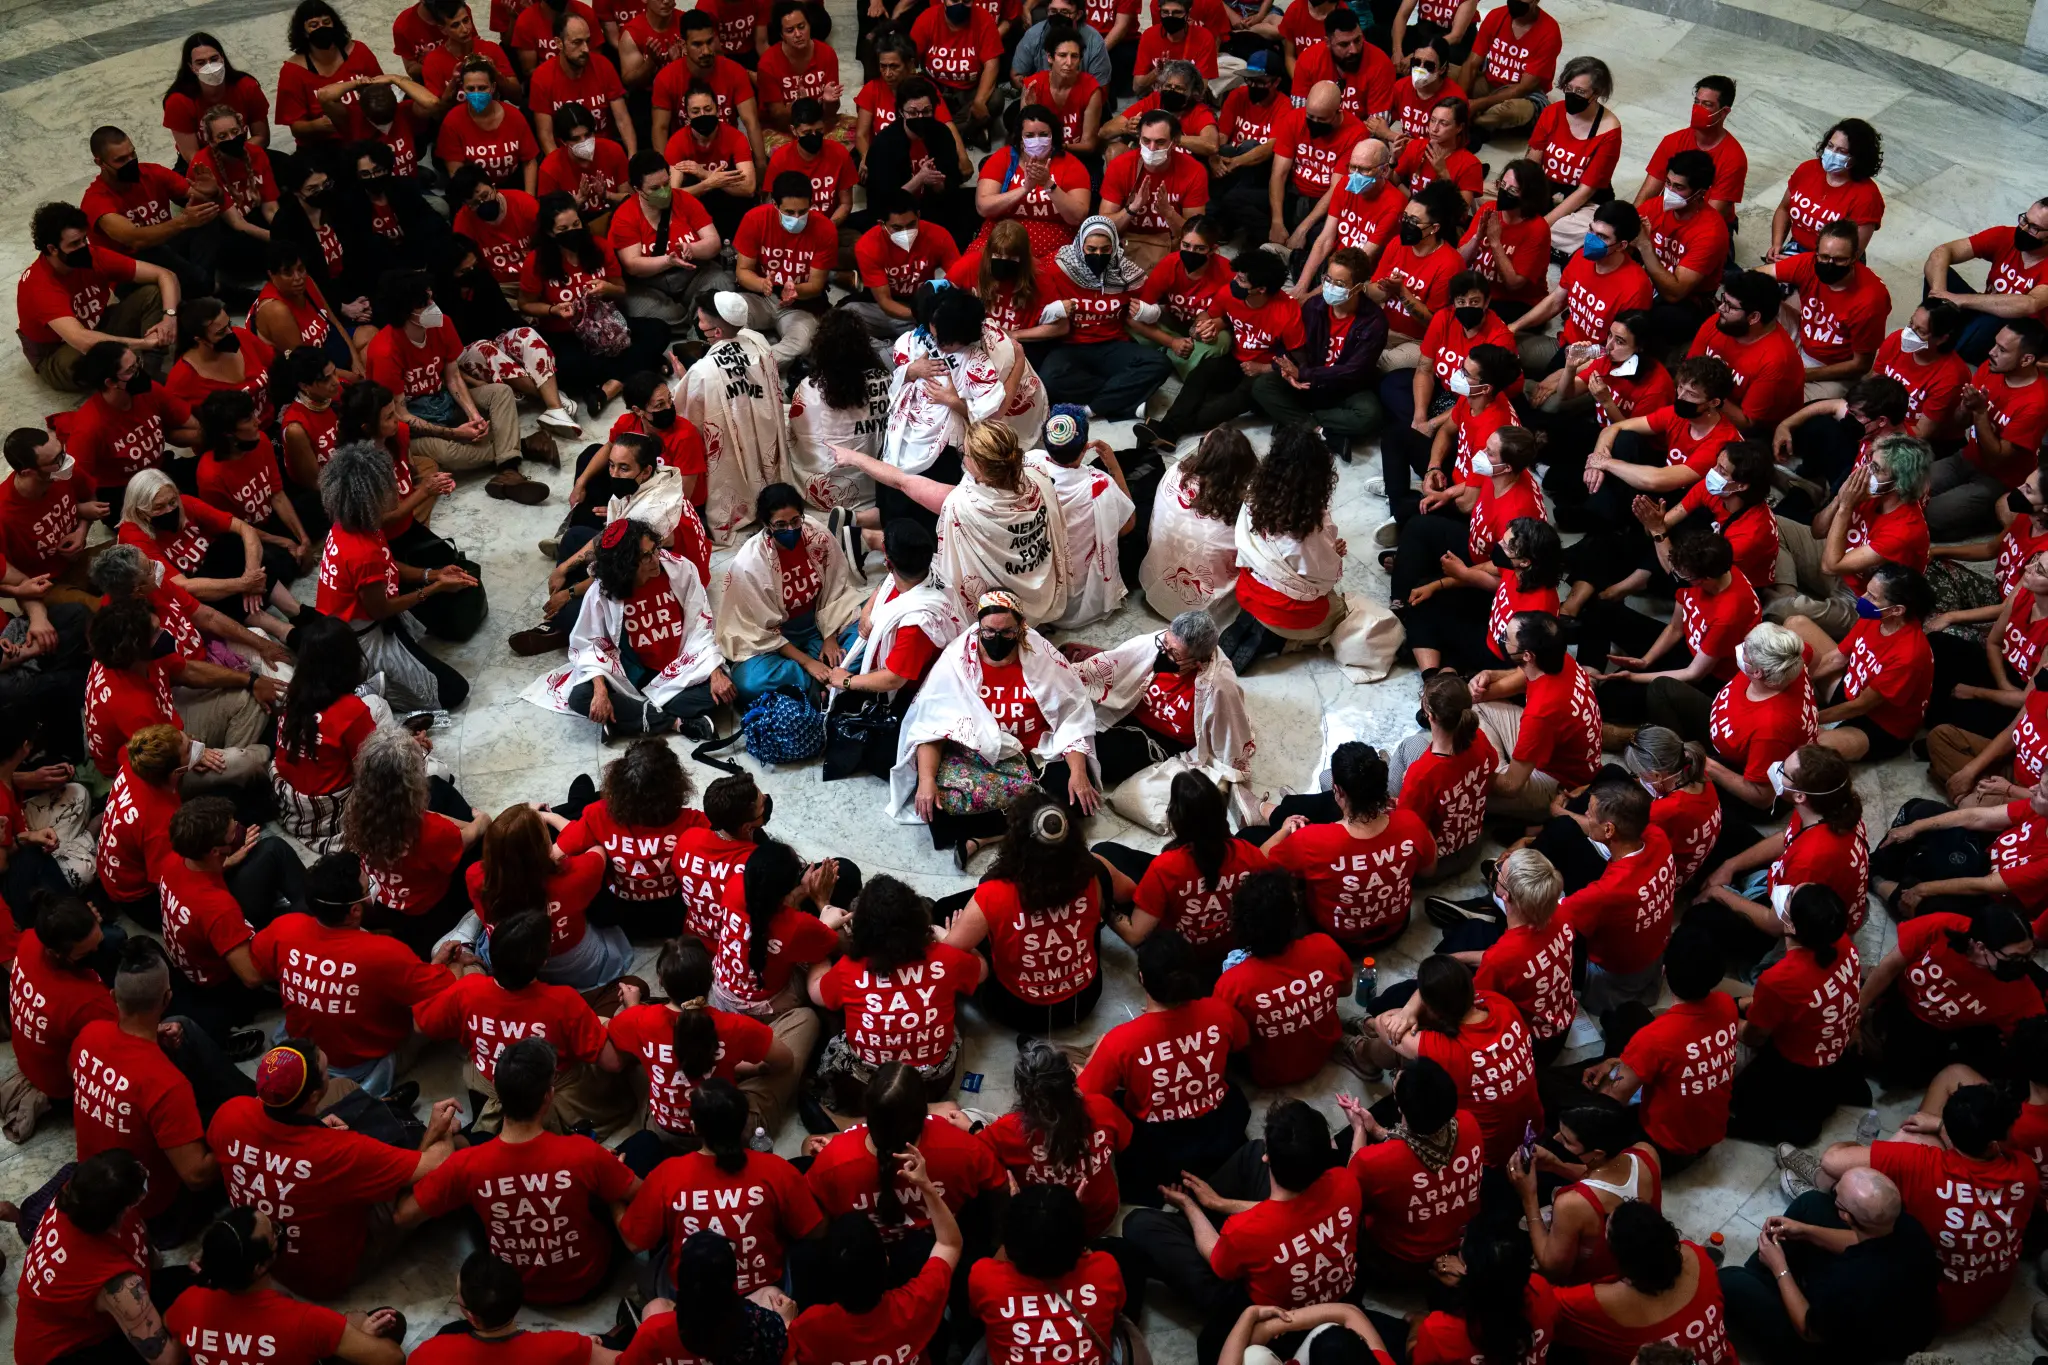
{"x": 968, "y": 785}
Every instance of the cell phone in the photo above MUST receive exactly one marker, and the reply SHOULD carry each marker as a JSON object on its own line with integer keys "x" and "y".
{"x": 1528, "y": 1143}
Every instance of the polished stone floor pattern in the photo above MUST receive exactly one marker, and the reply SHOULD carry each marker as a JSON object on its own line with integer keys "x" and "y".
{"x": 1959, "y": 155}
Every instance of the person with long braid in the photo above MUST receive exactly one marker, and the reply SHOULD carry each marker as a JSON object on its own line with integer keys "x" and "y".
{"x": 232, "y": 1292}
{"x": 1060, "y": 1135}
{"x": 756, "y": 1199}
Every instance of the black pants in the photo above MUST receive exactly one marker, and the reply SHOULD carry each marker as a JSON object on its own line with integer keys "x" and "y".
{"x": 638, "y": 716}
{"x": 1775, "y": 1100}
{"x": 1241, "y": 199}
{"x": 1128, "y": 748}
{"x": 1425, "y": 540}
{"x": 1452, "y": 622}
{"x": 1133, "y": 545}
{"x": 1910, "y": 1051}
{"x": 581, "y": 371}
{"x": 452, "y": 616}
{"x": 1214, "y": 392}
{"x": 225, "y": 558}
{"x": 1571, "y": 853}
{"x": 1159, "y": 1245}
{"x": 193, "y": 257}
{"x": 1404, "y": 458}
{"x": 1160, "y": 1151}
{"x": 893, "y": 505}
{"x": 1956, "y": 662}
{"x": 1133, "y": 863}
{"x": 1826, "y": 449}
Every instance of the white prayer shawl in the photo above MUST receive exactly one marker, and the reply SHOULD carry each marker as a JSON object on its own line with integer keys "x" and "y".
{"x": 734, "y": 395}
{"x": 594, "y": 646}
{"x": 1017, "y": 542}
{"x": 921, "y": 427}
{"x": 949, "y": 709}
{"x": 1117, "y": 679}
{"x": 1191, "y": 563}
{"x": 659, "y": 502}
{"x": 1305, "y": 570}
{"x": 814, "y": 426}
{"x": 928, "y": 607}
{"x": 1095, "y": 510}
{"x": 750, "y": 606}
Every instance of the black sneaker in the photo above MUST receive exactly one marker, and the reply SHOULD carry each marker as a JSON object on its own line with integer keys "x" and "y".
{"x": 404, "y": 1096}
{"x": 1150, "y": 437}
{"x": 1340, "y": 446}
{"x": 245, "y": 1043}
{"x": 698, "y": 728}
{"x": 1446, "y": 913}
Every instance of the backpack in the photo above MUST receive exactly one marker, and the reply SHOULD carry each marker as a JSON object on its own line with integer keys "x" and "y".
{"x": 780, "y": 727}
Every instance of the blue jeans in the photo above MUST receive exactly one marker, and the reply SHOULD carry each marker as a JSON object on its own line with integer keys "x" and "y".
{"x": 765, "y": 673}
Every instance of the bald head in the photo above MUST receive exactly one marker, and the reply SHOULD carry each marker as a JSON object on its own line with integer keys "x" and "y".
{"x": 1325, "y": 99}
{"x": 1869, "y": 1198}
{"x": 1370, "y": 155}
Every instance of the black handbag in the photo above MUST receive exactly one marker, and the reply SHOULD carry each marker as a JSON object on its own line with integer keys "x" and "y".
{"x": 860, "y": 735}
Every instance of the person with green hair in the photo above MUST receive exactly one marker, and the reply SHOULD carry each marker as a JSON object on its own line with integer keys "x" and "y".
{"x": 1878, "y": 514}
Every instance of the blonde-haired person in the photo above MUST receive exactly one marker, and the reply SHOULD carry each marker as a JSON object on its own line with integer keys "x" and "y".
{"x": 213, "y": 555}
{"x": 1878, "y": 514}
{"x": 1518, "y": 945}
{"x": 1754, "y": 722}
{"x": 412, "y": 832}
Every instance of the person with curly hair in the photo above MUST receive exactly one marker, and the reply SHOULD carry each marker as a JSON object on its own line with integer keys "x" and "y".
{"x": 1838, "y": 184}
{"x": 1059, "y": 1135}
{"x": 1289, "y": 555}
{"x": 842, "y": 404}
{"x": 413, "y": 832}
{"x": 636, "y": 818}
{"x": 1191, "y": 552}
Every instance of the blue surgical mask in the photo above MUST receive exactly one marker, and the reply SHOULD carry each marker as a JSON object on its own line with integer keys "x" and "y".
{"x": 477, "y": 100}
{"x": 1334, "y": 294}
{"x": 1866, "y": 609}
{"x": 1593, "y": 247}
{"x": 1834, "y": 162}
{"x": 1717, "y": 482}
{"x": 1360, "y": 182}
{"x": 788, "y": 537}
{"x": 794, "y": 222}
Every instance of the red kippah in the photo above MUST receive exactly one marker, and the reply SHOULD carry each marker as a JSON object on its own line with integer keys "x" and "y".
{"x": 614, "y": 532}
{"x": 281, "y": 1077}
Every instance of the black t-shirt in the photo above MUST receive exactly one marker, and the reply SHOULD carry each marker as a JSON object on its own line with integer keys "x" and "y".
{"x": 1875, "y": 1301}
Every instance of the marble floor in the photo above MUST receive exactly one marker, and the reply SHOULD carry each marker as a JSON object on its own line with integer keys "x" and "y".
{"x": 1951, "y": 168}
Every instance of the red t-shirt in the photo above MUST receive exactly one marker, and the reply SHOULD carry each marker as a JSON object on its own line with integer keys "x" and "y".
{"x": 1975, "y": 1210}
{"x": 348, "y": 990}
{"x": 904, "y": 1015}
{"x": 844, "y": 1175}
{"x": 202, "y": 922}
{"x": 1639, "y": 394}
{"x": 421, "y": 878}
{"x": 1359, "y": 890}
{"x": 641, "y": 857}
{"x": 1183, "y": 184}
{"x": 1030, "y": 1320}
{"x": 1509, "y": 598}
{"x": 954, "y": 57}
{"x": 647, "y": 1032}
{"x": 86, "y": 295}
{"x": 1412, "y": 108}
{"x": 1715, "y": 623}
{"x": 1731, "y": 163}
{"x": 1036, "y": 211}
{"x": 1410, "y": 1212}
{"x": 1593, "y": 298}
{"x": 297, "y": 84}
{"x": 1316, "y": 161}
{"x": 1682, "y": 447}
{"x": 1196, "y": 45}
{"x": 1934, "y": 380}
{"x": 2030, "y": 740}
{"x": 1042, "y": 956}
{"x": 1449, "y": 791}
{"x": 1367, "y": 220}
{"x": 1835, "y": 324}
{"x": 50, "y": 1005}
{"x": 571, "y": 286}
{"x": 896, "y": 1330}
{"x": 1692, "y": 822}
{"x": 590, "y": 183}
{"x": 794, "y": 939}
{"x": 500, "y": 151}
{"x": 1495, "y": 511}
{"x": 488, "y": 1019}
{"x": 1290, "y": 1002}
{"x": 568, "y": 892}
{"x": 1531, "y": 967}
{"x": 1446, "y": 1339}
{"x": 1092, "y": 1177}
{"x": 1461, "y": 168}
{"x": 1367, "y": 91}
{"x": 1259, "y": 334}
{"x": 1686, "y": 1059}
{"x": 1296, "y": 1252}
{"x": 1899, "y": 535}
{"x": 1814, "y": 203}
{"x": 1701, "y": 1325}
{"x": 331, "y": 766}
{"x": 535, "y": 1199}
{"x": 1527, "y": 245}
{"x": 779, "y": 81}
{"x": 408, "y": 370}
{"x": 504, "y": 240}
{"x": 126, "y": 1093}
{"x": 785, "y": 257}
{"x": 1770, "y": 379}
{"x": 1696, "y": 240}
{"x": 1574, "y": 161}
{"x": 317, "y": 1183}
{"x": 1508, "y": 57}
{"x": 1173, "y": 891}
{"x": 1753, "y": 533}
{"x": 552, "y": 86}
{"x": 1946, "y": 990}
{"x": 883, "y": 263}
{"x": 62, "y": 1274}
{"x": 116, "y": 706}
{"x": 32, "y": 533}
{"x": 2018, "y": 413}
{"x": 704, "y": 861}
{"x": 1752, "y": 735}
{"x": 1169, "y": 1063}
{"x": 1900, "y": 666}
{"x": 1560, "y": 732}
{"x": 111, "y": 445}
{"x": 1428, "y": 275}
{"x": 349, "y": 561}
{"x": 258, "y": 1326}
{"x": 1493, "y": 1064}
{"x": 1626, "y": 916}
{"x": 552, "y": 1347}
{"x": 1809, "y": 1008}
{"x": 728, "y": 80}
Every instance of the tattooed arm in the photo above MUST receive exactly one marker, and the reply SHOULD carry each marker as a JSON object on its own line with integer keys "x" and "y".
{"x": 126, "y": 1301}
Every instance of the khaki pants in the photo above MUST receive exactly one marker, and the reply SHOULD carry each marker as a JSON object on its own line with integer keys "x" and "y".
{"x": 1400, "y": 355}
{"x": 221, "y": 720}
{"x": 583, "y": 1094}
{"x": 768, "y": 1097}
{"x": 1502, "y": 723}
{"x": 1949, "y": 750}
{"x": 1515, "y": 113}
{"x": 498, "y": 448}
{"x": 1814, "y": 594}
{"x": 140, "y": 309}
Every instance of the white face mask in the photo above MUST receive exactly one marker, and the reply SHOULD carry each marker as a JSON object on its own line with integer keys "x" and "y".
{"x": 1742, "y": 660}
{"x": 212, "y": 73}
{"x": 1419, "y": 78}
{"x": 584, "y": 149}
{"x": 1500, "y": 901}
{"x": 1461, "y": 383}
{"x": 1911, "y": 342}
{"x": 1781, "y": 903}
{"x": 1606, "y": 853}
{"x": 1777, "y": 776}
{"x": 1624, "y": 369}
{"x": 1037, "y": 146}
{"x": 1673, "y": 200}
{"x": 1717, "y": 482}
{"x": 431, "y": 316}
{"x": 1879, "y": 485}
{"x": 1155, "y": 157}
{"x": 904, "y": 238}
{"x": 1482, "y": 466}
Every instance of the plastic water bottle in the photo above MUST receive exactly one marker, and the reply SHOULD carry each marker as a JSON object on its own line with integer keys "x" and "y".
{"x": 1367, "y": 986}
{"x": 1717, "y": 1248}
{"x": 1867, "y": 1127}
{"x": 761, "y": 1142}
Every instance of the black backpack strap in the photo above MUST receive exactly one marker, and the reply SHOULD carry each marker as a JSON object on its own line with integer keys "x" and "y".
{"x": 703, "y": 752}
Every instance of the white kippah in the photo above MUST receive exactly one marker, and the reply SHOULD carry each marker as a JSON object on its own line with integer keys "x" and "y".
{"x": 732, "y": 306}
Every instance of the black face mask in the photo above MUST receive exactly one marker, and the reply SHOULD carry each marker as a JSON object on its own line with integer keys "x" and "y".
{"x": 167, "y": 523}
{"x": 1737, "y": 328}
{"x": 1349, "y": 63}
{"x": 1239, "y": 290}
{"x": 376, "y": 184}
{"x": 1507, "y": 201}
{"x": 1001, "y": 268}
{"x": 236, "y": 146}
{"x": 1410, "y": 232}
{"x": 1320, "y": 127}
{"x": 488, "y": 210}
{"x": 958, "y": 15}
{"x": 1686, "y": 408}
{"x": 80, "y": 259}
{"x": 1162, "y": 662}
{"x": 1173, "y": 101}
{"x": 1097, "y": 261}
{"x": 1575, "y": 103}
{"x": 927, "y": 130}
{"x": 2010, "y": 969}
{"x": 1469, "y": 317}
{"x": 321, "y": 198}
{"x": 1194, "y": 262}
{"x": 2023, "y": 240}
{"x": 228, "y": 344}
{"x": 137, "y": 383}
{"x": 998, "y": 647}
{"x": 164, "y": 646}
{"x": 767, "y": 814}
{"x": 622, "y": 488}
{"x": 704, "y": 125}
{"x": 662, "y": 420}
{"x": 570, "y": 239}
{"x": 1832, "y": 272}
{"x": 812, "y": 143}
{"x": 1174, "y": 24}
{"x": 325, "y": 39}
{"x": 243, "y": 445}
{"x": 130, "y": 174}
{"x": 1258, "y": 94}
{"x": 1520, "y": 9}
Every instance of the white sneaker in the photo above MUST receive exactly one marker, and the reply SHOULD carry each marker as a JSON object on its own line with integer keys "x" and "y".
{"x": 1376, "y": 487}
{"x": 559, "y": 420}
{"x": 1388, "y": 535}
{"x": 568, "y": 405}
